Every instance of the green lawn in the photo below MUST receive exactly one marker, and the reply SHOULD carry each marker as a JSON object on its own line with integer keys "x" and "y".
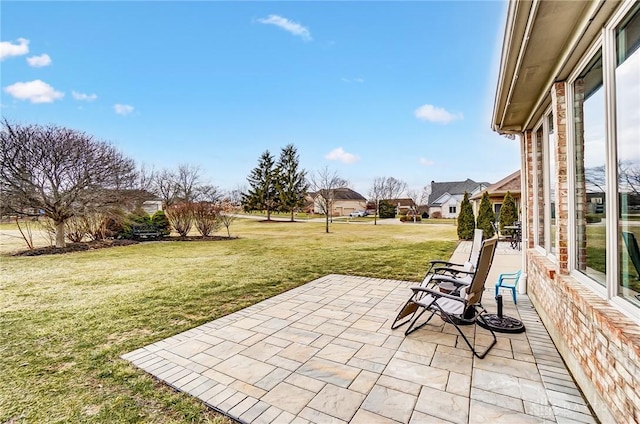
{"x": 66, "y": 319}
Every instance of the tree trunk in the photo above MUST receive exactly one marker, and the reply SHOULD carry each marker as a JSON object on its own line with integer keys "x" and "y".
{"x": 327, "y": 224}
{"x": 60, "y": 234}
{"x": 292, "y": 216}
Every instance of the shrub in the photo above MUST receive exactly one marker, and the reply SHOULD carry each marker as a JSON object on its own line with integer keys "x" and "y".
{"x": 75, "y": 228}
{"x": 410, "y": 218}
{"x": 486, "y": 216}
{"x": 205, "y": 217}
{"x": 425, "y": 215}
{"x": 386, "y": 210}
{"x": 181, "y": 217}
{"x": 436, "y": 215}
{"x": 466, "y": 220}
{"x": 593, "y": 219}
{"x": 160, "y": 221}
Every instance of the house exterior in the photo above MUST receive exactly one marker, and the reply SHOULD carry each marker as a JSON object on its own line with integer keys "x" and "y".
{"x": 402, "y": 205}
{"x": 344, "y": 202}
{"x": 446, "y": 197}
{"x": 569, "y": 90}
{"x": 511, "y": 183}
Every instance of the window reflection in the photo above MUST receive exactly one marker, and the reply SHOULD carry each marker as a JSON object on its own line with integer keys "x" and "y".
{"x": 590, "y": 152}
{"x": 551, "y": 149}
{"x": 627, "y": 76}
{"x": 539, "y": 187}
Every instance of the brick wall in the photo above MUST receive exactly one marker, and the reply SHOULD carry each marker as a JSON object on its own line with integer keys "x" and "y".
{"x": 600, "y": 345}
{"x": 528, "y": 176}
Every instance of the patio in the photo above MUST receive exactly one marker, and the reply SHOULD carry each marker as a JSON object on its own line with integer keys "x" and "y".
{"x": 324, "y": 353}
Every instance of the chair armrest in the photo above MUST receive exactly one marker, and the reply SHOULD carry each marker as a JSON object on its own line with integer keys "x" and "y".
{"x": 437, "y": 294}
{"x": 446, "y": 263}
{"x": 444, "y": 278}
{"x": 452, "y": 271}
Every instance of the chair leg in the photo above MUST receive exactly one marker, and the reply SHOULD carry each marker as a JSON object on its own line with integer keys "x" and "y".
{"x": 513, "y": 292}
{"x": 408, "y": 310}
{"x": 413, "y": 327}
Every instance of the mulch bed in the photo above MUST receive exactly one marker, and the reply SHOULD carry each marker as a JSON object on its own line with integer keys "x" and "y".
{"x": 102, "y": 244}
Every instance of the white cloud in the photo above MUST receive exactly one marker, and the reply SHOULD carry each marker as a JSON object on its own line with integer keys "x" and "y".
{"x": 8, "y": 49}
{"x": 35, "y": 91}
{"x": 122, "y": 109}
{"x": 39, "y": 61}
{"x": 340, "y": 155}
{"x": 347, "y": 80}
{"x": 425, "y": 162}
{"x": 436, "y": 114}
{"x": 82, "y": 96}
{"x": 287, "y": 25}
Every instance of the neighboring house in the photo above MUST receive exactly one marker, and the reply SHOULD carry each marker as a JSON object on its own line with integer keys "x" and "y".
{"x": 568, "y": 91}
{"x": 445, "y": 198}
{"x": 402, "y": 205}
{"x": 497, "y": 191}
{"x": 344, "y": 202}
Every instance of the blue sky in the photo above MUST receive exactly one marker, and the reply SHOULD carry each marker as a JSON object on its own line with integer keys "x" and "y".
{"x": 401, "y": 89}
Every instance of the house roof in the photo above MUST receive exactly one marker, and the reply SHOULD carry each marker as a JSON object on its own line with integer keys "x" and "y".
{"x": 344, "y": 194}
{"x": 540, "y": 47}
{"x": 453, "y": 188}
{"x": 400, "y": 202}
{"x": 510, "y": 183}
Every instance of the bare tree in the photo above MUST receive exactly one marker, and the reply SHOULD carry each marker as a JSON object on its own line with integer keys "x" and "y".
{"x": 385, "y": 188}
{"x": 180, "y": 217}
{"x": 324, "y": 183}
{"x": 188, "y": 180}
{"x": 166, "y": 187}
{"x": 226, "y": 214}
{"x": 208, "y": 193}
{"x": 58, "y": 172}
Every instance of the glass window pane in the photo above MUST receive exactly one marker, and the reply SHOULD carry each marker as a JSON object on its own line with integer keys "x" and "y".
{"x": 627, "y": 76}
{"x": 539, "y": 187}
{"x": 551, "y": 149}
{"x": 590, "y": 153}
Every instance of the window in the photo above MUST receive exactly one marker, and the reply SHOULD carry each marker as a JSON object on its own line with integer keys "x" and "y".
{"x": 539, "y": 188}
{"x": 452, "y": 209}
{"x": 550, "y": 218}
{"x": 590, "y": 149}
{"x": 496, "y": 210}
{"x": 627, "y": 95}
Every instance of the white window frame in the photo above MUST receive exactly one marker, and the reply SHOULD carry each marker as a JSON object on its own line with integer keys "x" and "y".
{"x": 571, "y": 175}
{"x": 544, "y": 247}
{"x": 607, "y": 43}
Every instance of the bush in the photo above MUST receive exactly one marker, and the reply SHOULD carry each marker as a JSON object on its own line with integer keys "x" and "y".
{"x": 410, "y": 218}
{"x": 181, "y": 217}
{"x": 593, "y": 219}
{"x": 425, "y": 215}
{"x": 160, "y": 221}
{"x": 436, "y": 215}
{"x": 205, "y": 217}
{"x": 486, "y": 216}
{"x": 386, "y": 210}
{"x": 466, "y": 220}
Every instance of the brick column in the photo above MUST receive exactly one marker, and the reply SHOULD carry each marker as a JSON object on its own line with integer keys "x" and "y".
{"x": 559, "y": 104}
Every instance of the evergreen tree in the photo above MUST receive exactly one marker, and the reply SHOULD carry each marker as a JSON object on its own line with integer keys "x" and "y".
{"x": 262, "y": 194}
{"x": 508, "y": 213}
{"x": 386, "y": 210}
{"x": 466, "y": 220}
{"x": 486, "y": 216}
{"x": 292, "y": 185}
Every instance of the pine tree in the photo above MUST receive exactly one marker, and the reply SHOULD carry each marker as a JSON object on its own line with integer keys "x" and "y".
{"x": 466, "y": 220}
{"x": 486, "y": 216}
{"x": 508, "y": 213}
{"x": 292, "y": 184}
{"x": 263, "y": 194}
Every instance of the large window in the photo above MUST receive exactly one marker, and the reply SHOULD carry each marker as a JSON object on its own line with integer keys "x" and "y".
{"x": 591, "y": 182}
{"x": 627, "y": 94}
{"x": 539, "y": 187}
{"x": 550, "y": 217}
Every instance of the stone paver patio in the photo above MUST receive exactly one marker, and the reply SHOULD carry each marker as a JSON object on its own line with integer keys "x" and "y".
{"x": 324, "y": 353}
